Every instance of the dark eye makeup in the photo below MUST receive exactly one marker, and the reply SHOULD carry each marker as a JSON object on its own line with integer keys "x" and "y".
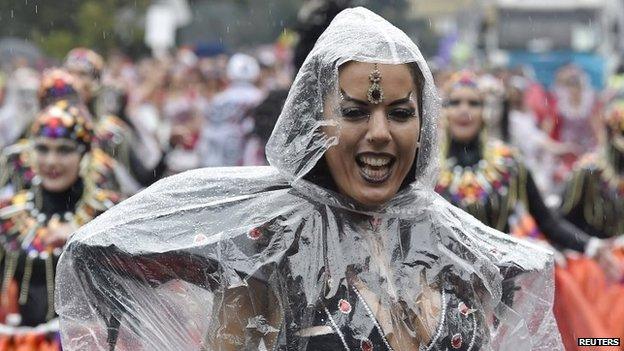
{"x": 354, "y": 113}
{"x": 400, "y": 114}
{"x": 470, "y": 102}
{"x": 61, "y": 149}
{"x": 42, "y": 149}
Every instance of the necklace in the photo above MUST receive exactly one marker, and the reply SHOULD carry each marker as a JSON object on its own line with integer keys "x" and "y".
{"x": 23, "y": 230}
{"x": 489, "y": 189}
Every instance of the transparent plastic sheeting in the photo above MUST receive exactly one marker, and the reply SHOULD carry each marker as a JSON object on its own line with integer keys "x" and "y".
{"x": 236, "y": 258}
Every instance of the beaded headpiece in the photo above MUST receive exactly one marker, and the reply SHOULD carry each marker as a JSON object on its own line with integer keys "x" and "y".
{"x": 375, "y": 93}
{"x": 463, "y": 78}
{"x": 56, "y": 84}
{"x": 84, "y": 60}
{"x": 64, "y": 120}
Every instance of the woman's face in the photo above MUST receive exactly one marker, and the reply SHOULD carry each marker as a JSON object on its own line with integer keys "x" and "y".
{"x": 464, "y": 113}
{"x": 377, "y": 142}
{"x": 57, "y": 163}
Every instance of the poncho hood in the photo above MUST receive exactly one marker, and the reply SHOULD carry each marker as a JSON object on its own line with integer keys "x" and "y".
{"x": 298, "y": 142}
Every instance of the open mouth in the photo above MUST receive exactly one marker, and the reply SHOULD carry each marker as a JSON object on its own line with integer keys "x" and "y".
{"x": 375, "y": 168}
{"x": 465, "y": 120}
{"x": 52, "y": 174}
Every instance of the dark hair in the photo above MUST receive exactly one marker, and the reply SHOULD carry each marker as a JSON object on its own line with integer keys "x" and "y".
{"x": 320, "y": 174}
{"x": 314, "y": 18}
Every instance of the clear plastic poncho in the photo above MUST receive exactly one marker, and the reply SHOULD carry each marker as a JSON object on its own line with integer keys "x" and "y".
{"x": 261, "y": 258}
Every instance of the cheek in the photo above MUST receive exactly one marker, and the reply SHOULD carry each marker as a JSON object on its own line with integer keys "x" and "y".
{"x": 39, "y": 160}
{"x": 407, "y": 143}
{"x": 72, "y": 165}
{"x": 477, "y": 119}
{"x": 453, "y": 117}
{"x": 339, "y": 154}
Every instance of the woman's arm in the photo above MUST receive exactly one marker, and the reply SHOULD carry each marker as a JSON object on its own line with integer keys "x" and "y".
{"x": 125, "y": 295}
{"x": 556, "y": 229}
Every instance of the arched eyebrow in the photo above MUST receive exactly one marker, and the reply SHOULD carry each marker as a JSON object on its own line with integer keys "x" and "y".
{"x": 404, "y": 100}
{"x": 344, "y": 96}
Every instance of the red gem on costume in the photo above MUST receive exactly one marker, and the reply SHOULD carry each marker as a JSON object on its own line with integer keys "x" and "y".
{"x": 200, "y": 239}
{"x": 344, "y": 306}
{"x": 254, "y": 234}
{"x": 456, "y": 341}
{"x": 366, "y": 345}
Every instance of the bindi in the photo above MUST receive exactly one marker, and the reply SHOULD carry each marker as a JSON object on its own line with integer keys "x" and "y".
{"x": 375, "y": 93}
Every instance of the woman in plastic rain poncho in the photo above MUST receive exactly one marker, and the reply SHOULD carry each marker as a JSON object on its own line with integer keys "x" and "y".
{"x": 340, "y": 245}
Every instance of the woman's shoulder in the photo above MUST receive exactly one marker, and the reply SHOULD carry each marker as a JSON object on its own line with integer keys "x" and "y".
{"x": 206, "y": 205}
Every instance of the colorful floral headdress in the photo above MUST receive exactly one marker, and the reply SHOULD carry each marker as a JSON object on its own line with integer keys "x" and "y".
{"x": 84, "y": 60}
{"x": 64, "y": 120}
{"x": 463, "y": 78}
{"x": 614, "y": 114}
{"x": 56, "y": 84}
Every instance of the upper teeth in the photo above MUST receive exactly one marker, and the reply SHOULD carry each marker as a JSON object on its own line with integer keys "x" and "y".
{"x": 375, "y": 161}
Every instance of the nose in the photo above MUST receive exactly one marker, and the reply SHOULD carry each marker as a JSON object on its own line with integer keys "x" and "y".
{"x": 378, "y": 132}
{"x": 51, "y": 158}
{"x": 464, "y": 107}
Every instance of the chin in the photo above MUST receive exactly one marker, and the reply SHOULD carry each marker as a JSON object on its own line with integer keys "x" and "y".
{"x": 374, "y": 197}
{"x": 465, "y": 136}
{"x": 55, "y": 186}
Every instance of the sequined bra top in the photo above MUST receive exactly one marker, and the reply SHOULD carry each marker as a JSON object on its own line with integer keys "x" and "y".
{"x": 339, "y": 319}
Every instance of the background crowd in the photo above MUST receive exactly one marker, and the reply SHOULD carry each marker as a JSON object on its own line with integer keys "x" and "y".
{"x": 154, "y": 116}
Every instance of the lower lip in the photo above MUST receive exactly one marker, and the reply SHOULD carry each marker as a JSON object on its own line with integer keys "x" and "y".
{"x": 378, "y": 176}
{"x": 52, "y": 175}
{"x": 465, "y": 123}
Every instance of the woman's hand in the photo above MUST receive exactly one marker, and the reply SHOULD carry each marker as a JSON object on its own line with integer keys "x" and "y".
{"x": 612, "y": 266}
{"x": 558, "y": 149}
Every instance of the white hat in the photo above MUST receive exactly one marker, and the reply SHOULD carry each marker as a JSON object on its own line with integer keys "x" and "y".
{"x": 243, "y": 67}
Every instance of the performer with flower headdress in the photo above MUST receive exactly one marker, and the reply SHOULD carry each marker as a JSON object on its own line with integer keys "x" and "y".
{"x": 16, "y": 168}
{"x": 594, "y": 198}
{"x": 488, "y": 179}
{"x": 594, "y": 201}
{"x": 36, "y": 223}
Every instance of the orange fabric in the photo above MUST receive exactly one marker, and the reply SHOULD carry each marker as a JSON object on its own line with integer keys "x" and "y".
{"x": 587, "y": 305}
{"x": 8, "y": 301}
{"x": 575, "y": 316}
{"x": 29, "y": 342}
{"x": 25, "y": 342}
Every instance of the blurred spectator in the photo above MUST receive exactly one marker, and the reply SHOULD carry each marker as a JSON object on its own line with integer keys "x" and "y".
{"x": 20, "y": 105}
{"x": 576, "y": 114}
{"x": 36, "y": 223}
{"x": 537, "y": 147}
{"x": 133, "y": 147}
{"x": 228, "y": 122}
